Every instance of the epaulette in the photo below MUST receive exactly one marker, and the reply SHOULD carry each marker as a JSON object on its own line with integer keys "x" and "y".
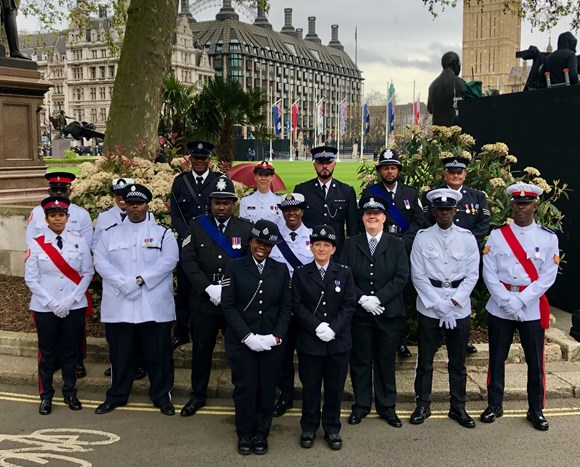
{"x": 74, "y": 232}
{"x": 497, "y": 228}
{"x": 111, "y": 226}
{"x": 197, "y": 217}
{"x": 547, "y": 230}
{"x": 245, "y": 220}
{"x": 300, "y": 266}
{"x": 421, "y": 231}
{"x": 344, "y": 266}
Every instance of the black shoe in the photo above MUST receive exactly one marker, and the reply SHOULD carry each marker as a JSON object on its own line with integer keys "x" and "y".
{"x": 419, "y": 415}
{"x": 390, "y": 416}
{"x": 245, "y": 445}
{"x": 107, "y": 372}
{"x": 355, "y": 418}
{"x": 281, "y": 407}
{"x": 470, "y": 349}
{"x": 191, "y": 407}
{"x": 107, "y": 407}
{"x": 81, "y": 370}
{"x": 462, "y": 417}
{"x": 491, "y": 413}
{"x": 334, "y": 441}
{"x": 538, "y": 420}
{"x": 167, "y": 408}
{"x": 404, "y": 351}
{"x": 140, "y": 373}
{"x": 45, "y": 407}
{"x": 260, "y": 445}
{"x": 177, "y": 342}
{"x": 73, "y": 403}
{"x": 307, "y": 439}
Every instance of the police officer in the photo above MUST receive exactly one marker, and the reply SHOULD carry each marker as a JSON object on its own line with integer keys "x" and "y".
{"x": 293, "y": 249}
{"x": 472, "y": 209}
{"x": 115, "y": 214}
{"x": 256, "y": 299}
{"x": 444, "y": 270}
{"x": 404, "y": 215}
{"x": 262, "y": 203}
{"x": 212, "y": 242}
{"x": 136, "y": 259}
{"x": 380, "y": 267}
{"x": 520, "y": 263}
{"x": 58, "y": 271}
{"x": 329, "y": 201}
{"x": 324, "y": 302}
{"x": 189, "y": 198}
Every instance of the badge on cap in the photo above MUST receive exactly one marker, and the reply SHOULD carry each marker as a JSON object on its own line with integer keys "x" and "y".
{"x": 56, "y": 202}
{"x": 323, "y": 232}
{"x": 389, "y": 154}
{"x": 221, "y": 184}
{"x": 133, "y": 188}
{"x": 265, "y": 231}
{"x": 200, "y": 146}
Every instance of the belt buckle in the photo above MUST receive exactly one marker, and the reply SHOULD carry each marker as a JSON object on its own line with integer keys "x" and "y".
{"x": 514, "y": 288}
{"x": 446, "y": 284}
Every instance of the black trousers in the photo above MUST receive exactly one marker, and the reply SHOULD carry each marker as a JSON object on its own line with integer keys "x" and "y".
{"x": 373, "y": 356}
{"x": 316, "y": 372}
{"x": 182, "y": 310}
{"x": 254, "y": 375}
{"x": 429, "y": 336}
{"x": 286, "y": 382}
{"x": 124, "y": 356}
{"x": 501, "y": 333}
{"x": 204, "y": 332}
{"x": 58, "y": 340}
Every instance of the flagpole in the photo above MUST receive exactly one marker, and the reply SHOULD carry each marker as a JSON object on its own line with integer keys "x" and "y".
{"x": 271, "y": 123}
{"x": 387, "y": 119}
{"x": 289, "y": 127}
{"x": 338, "y": 134}
{"x": 362, "y": 124}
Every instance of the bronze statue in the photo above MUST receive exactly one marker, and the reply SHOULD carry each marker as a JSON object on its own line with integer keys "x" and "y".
{"x": 59, "y": 123}
{"x": 445, "y": 90}
{"x": 8, "y": 15}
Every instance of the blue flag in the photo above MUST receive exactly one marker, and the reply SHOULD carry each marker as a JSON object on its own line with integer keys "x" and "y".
{"x": 367, "y": 118}
{"x": 277, "y": 117}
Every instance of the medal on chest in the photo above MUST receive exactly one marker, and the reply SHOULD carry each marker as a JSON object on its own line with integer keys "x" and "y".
{"x": 337, "y": 288}
{"x": 237, "y": 243}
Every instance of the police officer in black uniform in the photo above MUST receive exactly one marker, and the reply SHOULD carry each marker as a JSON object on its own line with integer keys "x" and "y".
{"x": 256, "y": 299}
{"x": 189, "y": 199}
{"x": 212, "y": 242}
{"x": 324, "y": 303}
{"x": 329, "y": 201}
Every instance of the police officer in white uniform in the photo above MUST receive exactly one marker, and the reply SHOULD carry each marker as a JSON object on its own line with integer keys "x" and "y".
{"x": 262, "y": 203}
{"x": 136, "y": 260}
{"x": 115, "y": 214}
{"x": 58, "y": 271}
{"x": 444, "y": 271}
{"x": 520, "y": 263}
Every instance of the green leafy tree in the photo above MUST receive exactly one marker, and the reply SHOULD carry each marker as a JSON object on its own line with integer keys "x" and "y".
{"x": 176, "y": 113}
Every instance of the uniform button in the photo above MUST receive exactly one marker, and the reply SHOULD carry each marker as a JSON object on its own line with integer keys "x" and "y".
{"x": 372, "y": 265}
{"x": 324, "y": 303}
{"x": 372, "y": 292}
{"x": 61, "y": 290}
{"x": 219, "y": 256}
{"x": 372, "y": 283}
{"x": 446, "y": 262}
{"x": 61, "y": 276}
{"x": 260, "y": 312}
{"x": 372, "y": 273}
{"x": 219, "y": 269}
{"x": 324, "y": 314}
{"x": 260, "y": 302}
{"x": 261, "y": 291}
{"x": 325, "y": 206}
{"x": 325, "y": 214}
{"x": 456, "y": 220}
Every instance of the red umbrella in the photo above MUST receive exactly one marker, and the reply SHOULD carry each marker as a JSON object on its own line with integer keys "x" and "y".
{"x": 244, "y": 173}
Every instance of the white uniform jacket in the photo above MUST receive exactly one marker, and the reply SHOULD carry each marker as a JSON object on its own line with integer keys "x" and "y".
{"x": 45, "y": 280}
{"x": 447, "y": 256}
{"x": 79, "y": 221}
{"x": 110, "y": 217}
{"x": 258, "y": 206}
{"x": 300, "y": 246}
{"x": 128, "y": 250}
{"x": 500, "y": 265}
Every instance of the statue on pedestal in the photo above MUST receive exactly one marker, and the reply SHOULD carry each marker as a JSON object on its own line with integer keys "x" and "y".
{"x": 8, "y": 15}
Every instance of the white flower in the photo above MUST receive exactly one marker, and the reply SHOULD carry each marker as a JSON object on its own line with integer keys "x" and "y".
{"x": 532, "y": 171}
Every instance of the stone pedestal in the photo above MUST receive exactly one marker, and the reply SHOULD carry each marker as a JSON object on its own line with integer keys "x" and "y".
{"x": 59, "y": 146}
{"x": 22, "y": 168}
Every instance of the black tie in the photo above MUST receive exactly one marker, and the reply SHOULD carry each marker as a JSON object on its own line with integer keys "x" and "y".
{"x": 199, "y": 183}
{"x": 322, "y": 272}
{"x": 222, "y": 227}
{"x": 293, "y": 235}
{"x": 59, "y": 241}
{"x": 324, "y": 191}
{"x": 260, "y": 267}
{"x": 123, "y": 215}
{"x": 392, "y": 193}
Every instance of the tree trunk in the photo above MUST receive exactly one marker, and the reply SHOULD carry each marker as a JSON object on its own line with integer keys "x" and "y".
{"x": 144, "y": 63}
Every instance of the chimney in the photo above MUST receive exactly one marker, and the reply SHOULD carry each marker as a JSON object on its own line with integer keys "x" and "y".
{"x": 288, "y": 28}
{"x": 334, "y": 42}
{"x": 311, "y": 36}
{"x": 261, "y": 21}
{"x": 184, "y": 7}
{"x": 299, "y": 32}
{"x": 227, "y": 12}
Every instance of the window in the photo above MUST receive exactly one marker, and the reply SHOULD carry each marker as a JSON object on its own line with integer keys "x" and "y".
{"x": 103, "y": 93}
{"x": 93, "y": 72}
{"x": 102, "y": 72}
{"x": 77, "y": 54}
{"x": 95, "y": 54}
{"x": 110, "y": 92}
{"x": 93, "y": 94}
{"x": 111, "y": 71}
{"x": 102, "y": 115}
{"x": 93, "y": 115}
{"x": 77, "y": 72}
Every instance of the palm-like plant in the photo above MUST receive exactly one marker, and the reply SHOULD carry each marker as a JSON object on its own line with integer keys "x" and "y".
{"x": 177, "y": 103}
{"x": 219, "y": 107}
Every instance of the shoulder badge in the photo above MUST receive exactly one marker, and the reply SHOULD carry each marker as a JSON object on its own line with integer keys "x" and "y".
{"x": 27, "y": 254}
{"x": 547, "y": 230}
{"x": 486, "y": 250}
{"x": 557, "y": 259}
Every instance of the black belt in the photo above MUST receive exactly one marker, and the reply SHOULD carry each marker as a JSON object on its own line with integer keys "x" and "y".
{"x": 445, "y": 284}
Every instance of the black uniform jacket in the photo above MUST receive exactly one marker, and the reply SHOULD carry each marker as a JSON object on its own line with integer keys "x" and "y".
{"x": 331, "y": 300}
{"x": 383, "y": 275}
{"x": 254, "y": 302}
{"x": 472, "y": 213}
{"x": 407, "y": 202}
{"x": 204, "y": 262}
{"x": 183, "y": 206}
{"x": 338, "y": 210}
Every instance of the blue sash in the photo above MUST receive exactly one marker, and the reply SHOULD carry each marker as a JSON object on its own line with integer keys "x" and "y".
{"x": 394, "y": 213}
{"x": 218, "y": 237}
{"x": 288, "y": 254}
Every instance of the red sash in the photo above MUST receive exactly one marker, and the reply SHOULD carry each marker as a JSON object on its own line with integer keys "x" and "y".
{"x": 530, "y": 269}
{"x": 65, "y": 268}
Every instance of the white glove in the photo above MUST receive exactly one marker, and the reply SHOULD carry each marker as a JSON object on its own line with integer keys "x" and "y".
{"x": 255, "y": 343}
{"x": 518, "y": 315}
{"x": 363, "y": 300}
{"x": 129, "y": 287}
{"x": 60, "y": 310}
{"x": 378, "y": 310}
{"x": 52, "y": 305}
{"x": 321, "y": 327}
{"x": 215, "y": 293}
{"x": 441, "y": 309}
{"x": 448, "y": 321}
{"x": 68, "y": 302}
{"x": 269, "y": 340}
{"x": 371, "y": 304}
{"x": 325, "y": 334}
{"x": 515, "y": 304}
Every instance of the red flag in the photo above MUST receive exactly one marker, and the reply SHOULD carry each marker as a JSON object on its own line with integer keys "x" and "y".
{"x": 417, "y": 110}
{"x": 295, "y": 116}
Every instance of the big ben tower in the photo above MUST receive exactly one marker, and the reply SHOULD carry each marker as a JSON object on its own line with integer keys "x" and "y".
{"x": 491, "y": 38}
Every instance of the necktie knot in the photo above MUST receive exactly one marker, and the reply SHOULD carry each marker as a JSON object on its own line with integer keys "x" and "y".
{"x": 392, "y": 195}
{"x": 322, "y": 272}
{"x": 324, "y": 191}
{"x": 293, "y": 235}
{"x": 260, "y": 267}
{"x": 123, "y": 215}
{"x": 59, "y": 241}
{"x": 373, "y": 245}
{"x": 222, "y": 227}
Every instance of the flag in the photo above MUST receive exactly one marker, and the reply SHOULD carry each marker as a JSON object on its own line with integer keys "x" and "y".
{"x": 391, "y": 108}
{"x": 320, "y": 107}
{"x": 277, "y": 117}
{"x": 342, "y": 116}
{"x": 295, "y": 109}
{"x": 417, "y": 110}
{"x": 366, "y": 118}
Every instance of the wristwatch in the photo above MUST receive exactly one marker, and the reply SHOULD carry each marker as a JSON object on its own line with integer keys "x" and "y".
{"x": 140, "y": 281}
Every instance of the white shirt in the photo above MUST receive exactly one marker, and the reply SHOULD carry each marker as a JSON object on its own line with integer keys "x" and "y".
{"x": 500, "y": 265}
{"x": 45, "y": 280}
{"x": 111, "y": 217}
{"x": 300, "y": 246}
{"x": 261, "y": 206}
{"x": 141, "y": 249}
{"x": 378, "y": 237}
{"x": 444, "y": 255}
